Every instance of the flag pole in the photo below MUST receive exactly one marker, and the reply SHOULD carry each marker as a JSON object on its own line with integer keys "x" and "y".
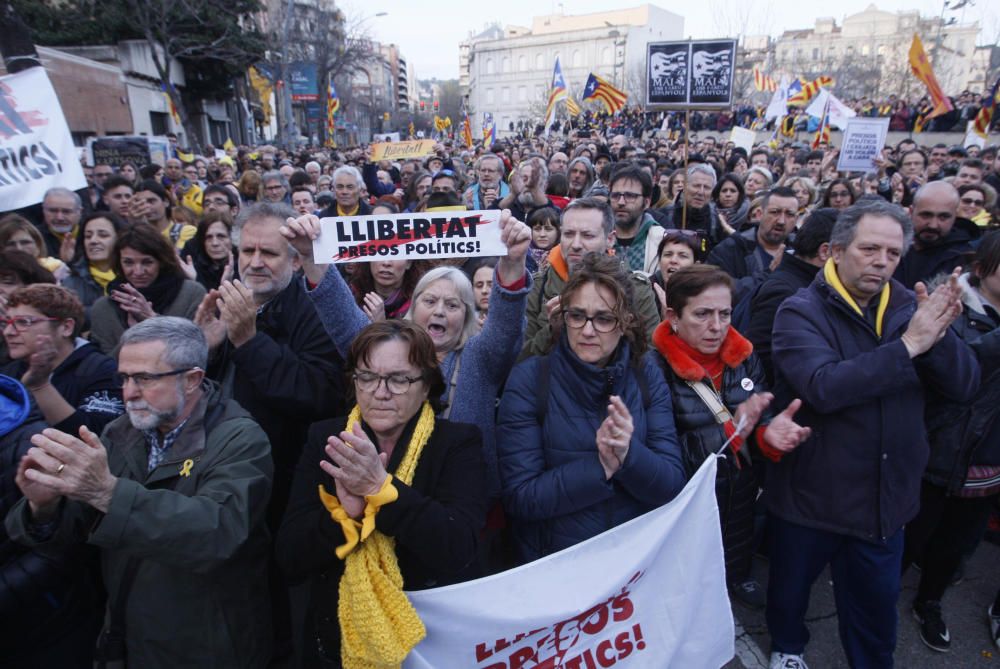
{"x": 687, "y": 151}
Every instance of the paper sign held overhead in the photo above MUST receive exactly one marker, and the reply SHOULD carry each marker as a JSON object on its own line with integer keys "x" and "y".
{"x": 862, "y": 143}
{"x": 743, "y": 138}
{"x": 402, "y": 150}
{"x": 422, "y": 235}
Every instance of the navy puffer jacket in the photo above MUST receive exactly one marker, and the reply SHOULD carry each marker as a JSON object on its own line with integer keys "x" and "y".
{"x": 554, "y": 487}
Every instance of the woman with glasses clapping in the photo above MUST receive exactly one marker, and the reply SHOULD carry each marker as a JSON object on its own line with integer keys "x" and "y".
{"x": 585, "y": 435}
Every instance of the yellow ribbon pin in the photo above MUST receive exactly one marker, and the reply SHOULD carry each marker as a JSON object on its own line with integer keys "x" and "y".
{"x": 186, "y": 467}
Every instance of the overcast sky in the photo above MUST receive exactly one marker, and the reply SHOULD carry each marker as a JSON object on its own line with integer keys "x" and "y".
{"x": 428, "y": 34}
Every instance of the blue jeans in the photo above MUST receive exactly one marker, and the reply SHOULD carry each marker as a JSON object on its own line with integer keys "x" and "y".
{"x": 866, "y": 585}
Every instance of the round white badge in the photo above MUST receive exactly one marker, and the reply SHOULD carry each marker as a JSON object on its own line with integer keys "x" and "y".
{"x": 747, "y": 384}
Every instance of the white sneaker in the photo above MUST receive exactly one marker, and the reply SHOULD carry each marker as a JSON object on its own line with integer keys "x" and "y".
{"x": 787, "y": 661}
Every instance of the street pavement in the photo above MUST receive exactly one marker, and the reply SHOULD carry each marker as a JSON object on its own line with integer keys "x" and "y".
{"x": 964, "y": 606}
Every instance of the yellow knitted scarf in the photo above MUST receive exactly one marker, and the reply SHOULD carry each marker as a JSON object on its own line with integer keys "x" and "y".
{"x": 101, "y": 277}
{"x": 378, "y": 625}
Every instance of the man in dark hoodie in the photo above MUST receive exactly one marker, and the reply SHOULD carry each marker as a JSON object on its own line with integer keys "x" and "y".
{"x": 941, "y": 241}
{"x": 68, "y": 377}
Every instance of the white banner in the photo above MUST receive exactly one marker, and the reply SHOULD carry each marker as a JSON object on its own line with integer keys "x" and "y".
{"x": 648, "y": 594}
{"x": 421, "y": 235}
{"x": 36, "y": 149}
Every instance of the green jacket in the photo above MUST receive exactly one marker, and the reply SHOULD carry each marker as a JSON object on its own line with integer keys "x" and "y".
{"x": 548, "y": 284}
{"x": 200, "y": 595}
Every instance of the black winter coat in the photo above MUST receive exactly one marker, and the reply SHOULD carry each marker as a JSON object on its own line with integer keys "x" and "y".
{"x": 435, "y": 521}
{"x": 942, "y": 258}
{"x": 791, "y": 275}
{"x": 962, "y": 434}
{"x": 287, "y": 377}
{"x": 859, "y": 472}
{"x": 741, "y": 257}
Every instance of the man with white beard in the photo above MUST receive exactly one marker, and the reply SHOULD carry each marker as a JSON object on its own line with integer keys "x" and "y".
{"x": 174, "y": 494}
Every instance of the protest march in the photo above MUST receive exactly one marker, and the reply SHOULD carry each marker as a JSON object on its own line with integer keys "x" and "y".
{"x": 587, "y": 391}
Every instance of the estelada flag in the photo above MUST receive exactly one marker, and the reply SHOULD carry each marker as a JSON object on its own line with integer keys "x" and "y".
{"x": 762, "y": 82}
{"x": 467, "y": 131}
{"x": 921, "y": 67}
{"x": 985, "y": 116}
{"x": 802, "y": 91}
{"x": 823, "y": 131}
{"x": 599, "y": 89}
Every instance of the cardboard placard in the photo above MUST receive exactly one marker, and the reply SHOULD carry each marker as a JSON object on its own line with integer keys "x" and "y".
{"x": 743, "y": 138}
{"x": 691, "y": 74}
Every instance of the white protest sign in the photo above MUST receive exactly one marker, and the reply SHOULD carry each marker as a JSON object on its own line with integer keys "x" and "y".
{"x": 973, "y": 138}
{"x": 862, "y": 143}
{"x": 648, "y": 594}
{"x": 422, "y": 235}
{"x": 743, "y": 138}
{"x": 36, "y": 149}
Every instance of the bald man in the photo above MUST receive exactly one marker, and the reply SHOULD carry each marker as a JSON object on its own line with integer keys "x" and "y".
{"x": 941, "y": 240}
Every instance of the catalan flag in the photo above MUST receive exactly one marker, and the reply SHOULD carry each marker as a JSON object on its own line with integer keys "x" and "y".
{"x": 762, "y": 82}
{"x": 801, "y": 91}
{"x": 467, "y": 131}
{"x": 489, "y": 130}
{"x": 823, "y": 131}
{"x": 411, "y": 130}
{"x": 558, "y": 92}
{"x": 599, "y": 89}
{"x": 921, "y": 67}
{"x": 332, "y": 105}
{"x": 174, "y": 114}
{"x": 985, "y": 116}
{"x": 572, "y": 107}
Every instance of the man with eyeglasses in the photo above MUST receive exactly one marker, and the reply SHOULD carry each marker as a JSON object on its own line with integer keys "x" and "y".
{"x": 173, "y": 495}
{"x": 587, "y": 225}
{"x": 941, "y": 240}
{"x": 490, "y": 186}
{"x": 751, "y": 255}
{"x": 637, "y": 234}
{"x": 61, "y": 211}
{"x": 274, "y": 186}
{"x": 219, "y": 198}
{"x": 70, "y": 379}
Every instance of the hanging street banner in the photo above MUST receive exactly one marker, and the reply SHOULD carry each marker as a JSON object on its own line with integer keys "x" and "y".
{"x": 690, "y": 75}
{"x": 418, "y": 236}
{"x": 402, "y": 150}
{"x": 36, "y": 148}
{"x": 646, "y": 595}
{"x": 302, "y": 78}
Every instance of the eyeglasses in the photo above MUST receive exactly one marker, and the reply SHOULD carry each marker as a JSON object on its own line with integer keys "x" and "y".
{"x": 398, "y": 384}
{"x": 22, "y": 323}
{"x": 973, "y": 203}
{"x": 602, "y": 322}
{"x": 143, "y": 379}
{"x": 629, "y": 197}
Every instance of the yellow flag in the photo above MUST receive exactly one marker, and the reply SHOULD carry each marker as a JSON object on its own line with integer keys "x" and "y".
{"x": 921, "y": 67}
{"x": 185, "y": 157}
{"x": 229, "y": 144}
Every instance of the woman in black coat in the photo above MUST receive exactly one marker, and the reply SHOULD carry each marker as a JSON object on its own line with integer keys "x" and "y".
{"x": 430, "y": 492}
{"x": 699, "y": 347}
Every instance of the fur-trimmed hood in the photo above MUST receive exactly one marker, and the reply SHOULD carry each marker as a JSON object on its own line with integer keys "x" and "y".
{"x": 735, "y": 349}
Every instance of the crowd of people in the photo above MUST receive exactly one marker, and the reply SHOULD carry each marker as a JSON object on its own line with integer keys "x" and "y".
{"x": 202, "y": 423}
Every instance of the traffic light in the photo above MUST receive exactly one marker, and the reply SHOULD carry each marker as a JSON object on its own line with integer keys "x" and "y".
{"x": 436, "y": 105}
{"x": 423, "y": 105}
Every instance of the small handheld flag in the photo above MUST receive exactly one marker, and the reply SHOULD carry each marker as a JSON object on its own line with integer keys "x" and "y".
{"x": 921, "y": 67}
{"x": 985, "y": 116}
{"x": 599, "y": 89}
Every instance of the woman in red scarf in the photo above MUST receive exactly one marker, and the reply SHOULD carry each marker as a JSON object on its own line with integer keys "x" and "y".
{"x": 720, "y": 407}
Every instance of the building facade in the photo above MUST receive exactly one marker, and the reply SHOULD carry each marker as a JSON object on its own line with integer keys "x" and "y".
{"x": 868, "y": 53}
{"x": 508, "y": 72}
